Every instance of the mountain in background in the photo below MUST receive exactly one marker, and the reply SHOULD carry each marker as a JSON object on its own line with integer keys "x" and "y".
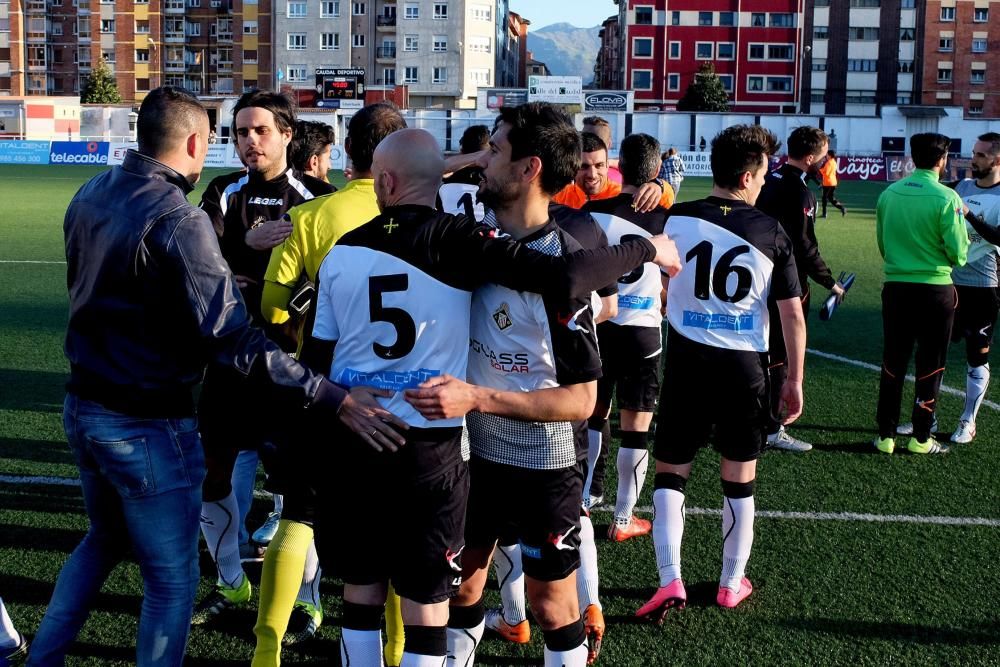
{"x": 566, "y": 49}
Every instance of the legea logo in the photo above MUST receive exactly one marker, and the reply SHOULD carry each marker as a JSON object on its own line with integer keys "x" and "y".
{"x": 79, "y": 152}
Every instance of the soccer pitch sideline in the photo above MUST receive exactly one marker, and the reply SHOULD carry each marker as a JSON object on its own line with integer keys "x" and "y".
{"x": 859, "y": 558}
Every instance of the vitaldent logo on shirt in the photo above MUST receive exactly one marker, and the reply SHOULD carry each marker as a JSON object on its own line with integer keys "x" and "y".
{"x": 737, "y": 323}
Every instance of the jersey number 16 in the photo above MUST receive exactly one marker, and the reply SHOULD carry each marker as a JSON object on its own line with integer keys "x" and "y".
{"x": 719, "y": 276}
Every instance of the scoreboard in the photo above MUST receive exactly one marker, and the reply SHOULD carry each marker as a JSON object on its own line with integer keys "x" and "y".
{"x": 335, "y": 86}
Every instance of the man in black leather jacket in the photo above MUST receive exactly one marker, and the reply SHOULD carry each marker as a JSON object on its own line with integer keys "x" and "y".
{"x": 151, "y": 303}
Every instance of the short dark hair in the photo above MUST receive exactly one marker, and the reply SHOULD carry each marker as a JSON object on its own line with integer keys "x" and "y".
{"x": 638, "y": 158}
{"x": 739, "y": 149}
{"x": 167, "y": 115}
{"x": 310, "y": 138}
{"x": 805, "y": 141}
{"x": 590, "y": 142}
{"x": 991, "y": 138}
{"x": 474, "y": 139}
{"x": 831, "y": 153}
{"x": 927, "y": 148}
{"x": 279, "y": 105}
{"x": 601, "y": 128}
{"x": 538, "y": 129}
{"x": 367, "y": 129}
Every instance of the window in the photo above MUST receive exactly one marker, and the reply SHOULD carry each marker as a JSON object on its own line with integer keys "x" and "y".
{"x": 358, "y": 40}
{"x": 779, "y": 84}
{"x": 978, "y": 76}
{"x": 944, "y": 75}
{"x": 411, "y": 75}
{"x": 725, "y": 51}
{"x": 782, "y": 20}
{"x": 192, "y": 28}
{"x": 642, "y": 79}
{"x": 819, "y": 64}
{"x": 191, "y": 3}
{"x": 907, "y": 34}
{"x": 440, "y": 75}
{"x": 57, "y": 28}
{"x": 296, "y": 10}
{"x": 411, "y": 10}
{"x": 727, "y": 82}
{"x": 863, "y": 34}
{"x": 947, "y": 13}
{"x": 975, "y": 108}
{"x": 907, "y": 4}
{"x": 981, "y": 15}
{"x": 644, "y": 16}
{"x": 389, "y": 76}
{"x": 440, "y": 10}
{"x": 108, "y": 55}
{"x": 478, "y": 44}
{"x": 860, "y": 97}
{"x": 359, "y": 9}
{"x": 979, "y": 46}
{"x": 704, "y": 18}
{"x": 142, "y": 55}
{"x": 329, "y": 41}
{"x": 482, "y": 13}
{"x": 480, "y": 77}
{"x": 675, "y": 50}
{"x": 642, "y": 47}
{"x": 704, "y": 50}
{"x": 141, "y": 27}
{"x": 866, "y": 3}
{"x": 296, "y": 41}
{"x": 249, "y": 55}
{"x": 904, "y": 66}
{"x": 727, "y": 18}
{"x": 410, "y": 42}
{"x": 904, "y": 99}
{"x": 861, "y": 65}
{"x": 780, "y": 52}
{"x": 675, "y": 18}
{"x": 249, "y": 27}
{"x": 673, "y": 82}
{"x": 946, "y": 44}
{"x": 756, "y": 52}
{"x": 107, "y": 25}
{"x": 142, "y": 84}
{"x": 758, "y": 19}
{"x": 329, "y": 9}
{"x": 296, "y": 73}
{"x": 440, "y": 44}
{"x": 755, "y": 84}
{"x": 818, "y": 98}
{"x": 821, "y": 32}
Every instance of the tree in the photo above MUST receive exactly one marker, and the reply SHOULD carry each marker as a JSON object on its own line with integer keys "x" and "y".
{"x": 705, "y": 93}
{"x": 101, "y": 87}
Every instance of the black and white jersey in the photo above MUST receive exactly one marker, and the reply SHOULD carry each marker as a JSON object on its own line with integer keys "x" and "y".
{"x": 395, "y": 295}
{"x": 639, "y": 291}
{"x": 524, "y": 342}
{"x": 980, "y": 269}
{"x": 585, "y": 230}
{"x": 461, "y": 199}
{"x": 238, "y": 202}
{"x": 735, "y": 258}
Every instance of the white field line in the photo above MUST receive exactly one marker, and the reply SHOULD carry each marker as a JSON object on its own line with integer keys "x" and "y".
{"x": 872, "y": 367}
{"x": 693, "y": 511}
{"x": 32, "y": 261}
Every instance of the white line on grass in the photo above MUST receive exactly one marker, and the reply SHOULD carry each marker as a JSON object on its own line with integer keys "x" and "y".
{"x": 31, "y": 261}
{"x": 694, "y": 511}
{"x": 872, "y": 367}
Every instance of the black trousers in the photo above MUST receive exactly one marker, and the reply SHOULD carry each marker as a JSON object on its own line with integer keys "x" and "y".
{"x": 913, "y": 313}
{"x": 830, "y": 195}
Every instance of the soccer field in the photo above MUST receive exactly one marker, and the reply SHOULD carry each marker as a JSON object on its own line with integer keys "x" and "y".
{"x": 859, "y": 557}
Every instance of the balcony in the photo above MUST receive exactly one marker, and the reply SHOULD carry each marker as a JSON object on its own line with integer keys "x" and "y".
{"x": 225, "y": 36}
{"x": 173, "y": 7}
{"x": 173, "y": 37}
{"x": 35, "y": 6}
{"x": 385, "y": 53}
{"x": 386, "y": 22}
{"x": 173, "y": 67}
{"x": 224, "y": 66}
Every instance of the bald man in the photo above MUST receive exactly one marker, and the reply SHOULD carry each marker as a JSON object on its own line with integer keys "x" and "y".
{"x": 394, "y": 297}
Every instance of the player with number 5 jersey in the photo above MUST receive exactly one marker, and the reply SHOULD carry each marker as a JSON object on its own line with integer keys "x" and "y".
{"x": 714, "y": 380}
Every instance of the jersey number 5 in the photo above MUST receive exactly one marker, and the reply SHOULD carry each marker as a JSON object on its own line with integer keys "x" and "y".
{"x": 406, "y": 330}
{"x": 703, "y": 272}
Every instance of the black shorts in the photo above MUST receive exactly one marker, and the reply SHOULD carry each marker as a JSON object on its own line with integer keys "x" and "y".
{"x": 976, "y": 315}
{"x": 540, "y": 508}
{"x": 710, "y": 394}
{"x": 630, "y": 360}
{"x": 379, "y": 522}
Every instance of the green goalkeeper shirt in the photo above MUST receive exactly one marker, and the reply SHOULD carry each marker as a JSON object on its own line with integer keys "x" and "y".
{"x": 921, "y": 230}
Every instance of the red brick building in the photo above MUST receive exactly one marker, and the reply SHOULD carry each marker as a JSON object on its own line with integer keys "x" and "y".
{"x": 755, "y": 46}
{"x": 961, "y": 65}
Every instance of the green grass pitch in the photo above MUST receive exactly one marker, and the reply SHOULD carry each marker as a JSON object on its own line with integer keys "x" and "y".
{"x": 827, "y": 591}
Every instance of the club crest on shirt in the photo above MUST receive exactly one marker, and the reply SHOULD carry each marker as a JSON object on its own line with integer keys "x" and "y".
{"x": 502, "y": 317}
{"x": 258, "y": 222}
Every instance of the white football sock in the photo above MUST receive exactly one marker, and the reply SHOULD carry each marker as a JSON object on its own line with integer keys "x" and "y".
{"x": 279, "y": 502}
{"x": 462, "y": 645}
{"x": 219, "y": 521}
{"x": 361, "y": 648}
{"x": 632, "y": 466}
{"x": 976, "y": 383}
{"x": 419, "y": 660}
{"x": 311, "y": 574}
{"x": 593, "y": 452}
{"x": 576, "y": 657}
{"x": 737, "y": 534}
{"x": 9, "y": 636}
{"x": 510, "y": 575}
{"x": 587, "y": 579}
{"x": 668, "y": 531}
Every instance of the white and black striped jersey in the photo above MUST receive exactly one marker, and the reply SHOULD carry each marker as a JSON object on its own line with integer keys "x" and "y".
{"x": 524, "y": 342}
{"x": 735, "y": 257}
{"x": 461, "y": 199}
{"x": 395, "y": 295}
{"x": 980, "y": 270}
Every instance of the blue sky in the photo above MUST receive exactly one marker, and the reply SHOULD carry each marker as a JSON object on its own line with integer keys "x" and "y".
{"x": 581, "y": 13}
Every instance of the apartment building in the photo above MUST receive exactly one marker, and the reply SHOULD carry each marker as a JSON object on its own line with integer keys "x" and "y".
{"x": 512, "y": 48}
{"x": 961, "y": 63}
{"x": 608, "y": 67}
{"x": 755, "y": 46}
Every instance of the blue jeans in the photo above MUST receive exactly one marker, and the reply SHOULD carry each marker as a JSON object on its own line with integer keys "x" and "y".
{"x": 141, "y": 482}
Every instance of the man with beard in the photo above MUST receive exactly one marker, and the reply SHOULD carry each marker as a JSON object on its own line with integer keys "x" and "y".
{"x": 233, "y": 417}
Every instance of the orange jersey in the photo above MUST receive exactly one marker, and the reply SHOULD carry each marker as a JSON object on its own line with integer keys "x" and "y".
{"x": 829, "y": 173}
{"x": 574, "y": 197}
